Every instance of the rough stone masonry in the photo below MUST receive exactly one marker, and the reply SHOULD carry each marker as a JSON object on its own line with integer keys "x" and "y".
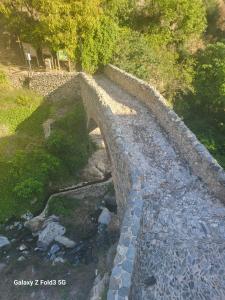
{"x": 170, "y": 194}
{"x": 170, "y": 191}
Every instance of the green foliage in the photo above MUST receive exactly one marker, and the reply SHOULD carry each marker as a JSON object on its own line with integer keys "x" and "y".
{"x": 30, "y": 166}
{"x": 16, "y": 105}
{"x": 156, "y": 63}
{"x": 70, "y": 133}
{"x": 120, "y": 10}
{"x": 3, "y": 78}
{"x": 28, "y": 189}
{"x": 178, "y": 20}
{"x": 59, "y": 30}
{"x": 98, "y": 44}
{"x": 215, "y": 20}
{"x": 69, "y": 26}
{"x": 203, "y": 110}
{"x": 210, "y": 131}
{"x": 210, "y": 79}
{"x": 63, "y": 207}
{"x": 30, "y": 172}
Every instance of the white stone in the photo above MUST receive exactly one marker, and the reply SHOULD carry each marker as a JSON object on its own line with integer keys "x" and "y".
{"x": 99, "y": 287}
{"x": 27, "y": 216}
{"x": 65, "y": 241}
{"x": 2, "y": 267}
{"x": 3, "y": 241}
{"x": 59, "y": 260}
{"x": 105, "y": 217}
{"x": 50, "y": 232}
{"x": 22, "y": 247}
{"x": 47, "y": 127}
{"x": 35, "y": 224}
{"x": 21, "y": 258}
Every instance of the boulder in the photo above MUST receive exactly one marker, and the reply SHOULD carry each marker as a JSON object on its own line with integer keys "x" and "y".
{"x": 59, "y": 260}
{"x": 2, "y": 267}
{"x": 54, "y": 249}
{"x": 99, "y": 286}
{"x": 21, "y": 258}
{"x": 65, "y": 241}
{"x": 114, "y": 224}
{"x": 3, "y": 241}
{"x": 22, "y": 247}
{"x": 50, "y": 232}
{"x": 105, "y": 217}
{"x": 35, "y": 224}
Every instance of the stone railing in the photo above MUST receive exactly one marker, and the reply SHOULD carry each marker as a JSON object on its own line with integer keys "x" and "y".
{"x": 127, "y": 180}
{"x": 197, "y": 156}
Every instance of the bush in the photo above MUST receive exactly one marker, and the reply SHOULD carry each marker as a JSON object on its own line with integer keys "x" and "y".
{"x": 209, "y": 81}
{"x": 98, "y": 44}
{"x": 63, "y": 206}
{"x": 178, "y": 20}
{"x": 156, "y": 63}
{"x": 23, "y": 100}
{"x": 28, "y": 189}
{"x": 31, "y": 173}
{"x": 3, "y": 78}
{"x": 69, "y": 140}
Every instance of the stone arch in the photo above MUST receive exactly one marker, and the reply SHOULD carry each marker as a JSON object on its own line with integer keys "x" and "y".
{"x": 91, "y": 125}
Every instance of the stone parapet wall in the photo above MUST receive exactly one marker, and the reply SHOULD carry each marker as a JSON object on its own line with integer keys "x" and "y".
{"x": 200, "y": 160}
{"x": 47, "y": 83}
{"x": 127, "y": 180}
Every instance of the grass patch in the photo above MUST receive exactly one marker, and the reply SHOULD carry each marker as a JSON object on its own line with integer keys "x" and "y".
{"x": 30, "y": 166}
{"x": 16, "y": 106}
{"x": 211, "y": 134}
{"x": 76, "y": 215}
{"x": 209, "y": 128}
{"x": 63, "y": 206}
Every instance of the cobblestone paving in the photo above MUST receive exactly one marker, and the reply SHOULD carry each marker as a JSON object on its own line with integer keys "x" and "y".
{"x": 181, "y": 246}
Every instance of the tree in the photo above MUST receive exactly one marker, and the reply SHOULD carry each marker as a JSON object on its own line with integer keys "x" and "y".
{"x": 177, "y": 20}
{"x": 209, "y": 81}
{"x": 120, "y": 10}
{"x": 149, "y": 58}
{"x": 56, "y": 24}
{"x": 98, "y": 44}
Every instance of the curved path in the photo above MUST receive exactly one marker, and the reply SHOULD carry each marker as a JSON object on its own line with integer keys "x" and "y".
{"x": 180, "y": 241}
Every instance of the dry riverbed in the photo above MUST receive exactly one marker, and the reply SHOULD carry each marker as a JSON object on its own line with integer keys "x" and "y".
{"x": 30, "y": 269}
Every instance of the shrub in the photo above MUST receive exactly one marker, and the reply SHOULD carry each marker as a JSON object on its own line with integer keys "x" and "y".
{"x": 209, "y": 81}
{"x": 31, "y": 172}
{"x": 28, "y": 189}
{"x": 3, "y": 77}
{"x": 156, "y": 63}
{"x": 69, "y": 140}
{"x": 98, "y": 44}
{"x": 23, "y": 100}
{"x": 63, "y": 206}
{"x": 178, "y": 20}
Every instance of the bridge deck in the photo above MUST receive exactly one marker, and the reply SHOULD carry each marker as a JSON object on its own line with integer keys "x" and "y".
{"x": 181, "y": 249}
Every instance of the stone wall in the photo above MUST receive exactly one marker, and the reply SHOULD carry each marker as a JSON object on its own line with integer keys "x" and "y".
{"x": 48, "y": 83}
{"x": 197, "y": 156}
{"x": 126, "y": 171}
{"x": 127, "y": 180}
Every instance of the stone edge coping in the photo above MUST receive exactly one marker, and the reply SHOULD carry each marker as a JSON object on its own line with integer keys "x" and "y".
{"x": 121, "y": 276}
{"x": 61, "y": 74}
{"x": 190, "y": 148}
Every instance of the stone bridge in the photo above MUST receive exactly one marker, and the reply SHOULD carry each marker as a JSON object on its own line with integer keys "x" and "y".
{"x": 170, "y": 193}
